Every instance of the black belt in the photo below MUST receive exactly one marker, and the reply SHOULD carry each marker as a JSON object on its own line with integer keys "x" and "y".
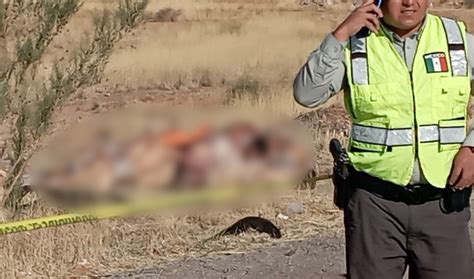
{"x": 410, "y": 194}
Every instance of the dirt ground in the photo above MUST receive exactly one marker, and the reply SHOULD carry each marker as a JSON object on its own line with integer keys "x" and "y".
{"x": 320, "y": 257}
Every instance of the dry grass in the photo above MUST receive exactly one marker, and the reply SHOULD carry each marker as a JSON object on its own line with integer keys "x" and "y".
{"x": 267, "y": 47}
{"x": 215, "y": 48}
{"x": 117, "y": 245}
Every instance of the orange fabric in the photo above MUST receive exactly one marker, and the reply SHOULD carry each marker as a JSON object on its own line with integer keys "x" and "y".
{"x": 179, "y": 138}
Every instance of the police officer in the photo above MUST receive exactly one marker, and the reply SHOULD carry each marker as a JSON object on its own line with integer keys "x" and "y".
{"x": 406, "y": 87}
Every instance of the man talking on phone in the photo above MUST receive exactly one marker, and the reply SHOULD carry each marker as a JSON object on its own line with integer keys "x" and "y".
{"x": 407, "y": 86}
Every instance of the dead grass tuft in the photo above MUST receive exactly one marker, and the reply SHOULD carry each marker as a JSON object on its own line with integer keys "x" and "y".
{"x": 246, "y": 85}
{"x": 166, "y": 15}
{"x": 112, "y": 246}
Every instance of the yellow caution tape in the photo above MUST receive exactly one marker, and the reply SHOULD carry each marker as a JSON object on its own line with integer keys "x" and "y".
{"x": 164, "y": 201}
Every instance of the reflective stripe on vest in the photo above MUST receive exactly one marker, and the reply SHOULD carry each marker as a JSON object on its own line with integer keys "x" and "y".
{"x": 382, "y": 136}
{"x": 360, "y": 73}
{"x": 457, "y": 51}
{"x": 401, "y": 137}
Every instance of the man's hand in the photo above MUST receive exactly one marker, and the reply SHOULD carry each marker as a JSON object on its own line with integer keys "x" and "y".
{"x": 367, "y": 15}
{"x": 462, "y": 174}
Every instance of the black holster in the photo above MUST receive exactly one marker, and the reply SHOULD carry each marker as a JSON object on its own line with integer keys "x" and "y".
{"x": 341, "y": 174}
{"x": 343, "y": 177}
{"x": 455, "y": 200}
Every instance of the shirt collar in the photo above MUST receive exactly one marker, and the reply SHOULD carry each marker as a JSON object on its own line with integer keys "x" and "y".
{"x": 394, "y": 37}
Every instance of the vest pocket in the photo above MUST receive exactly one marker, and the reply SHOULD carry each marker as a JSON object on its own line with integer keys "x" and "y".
{"x": 376, "y": 100}
{"x": 369, "y": 137}
{"x": 451, "y": 96}
{"x": 452, "y": 134}
{"x": 357, "y": 147}
{"x": 450, "y": 146}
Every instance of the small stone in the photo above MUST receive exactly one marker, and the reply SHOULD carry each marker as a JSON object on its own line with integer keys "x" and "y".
{"x": 282, "y": 216}
{"x": 164, "y": 87}
{"x": 95, "y": 106}
{"x": 147, "y": 98}
{"x": 290, "y": 253}
{"x": 295, "y": 208}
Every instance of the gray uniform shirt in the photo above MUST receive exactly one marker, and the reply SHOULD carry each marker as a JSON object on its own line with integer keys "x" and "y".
{"x": 324, "y": 75}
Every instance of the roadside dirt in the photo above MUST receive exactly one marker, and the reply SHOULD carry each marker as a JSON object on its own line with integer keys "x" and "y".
{"x": 320, "y": 257}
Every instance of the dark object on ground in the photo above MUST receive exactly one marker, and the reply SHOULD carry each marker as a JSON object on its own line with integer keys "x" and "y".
{"x": 259, "y": 224}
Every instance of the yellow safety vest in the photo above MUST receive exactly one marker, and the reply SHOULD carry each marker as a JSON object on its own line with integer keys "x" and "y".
{"x": 398, "y": 115}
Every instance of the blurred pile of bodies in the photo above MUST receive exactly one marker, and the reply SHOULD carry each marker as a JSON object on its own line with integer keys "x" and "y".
{"x": 206, "y": 152}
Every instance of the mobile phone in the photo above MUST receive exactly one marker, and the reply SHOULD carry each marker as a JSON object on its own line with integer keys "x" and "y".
{"x": 364, "y": 32}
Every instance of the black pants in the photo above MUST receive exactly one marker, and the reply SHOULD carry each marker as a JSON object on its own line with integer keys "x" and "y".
{"x": 383, "y": 237}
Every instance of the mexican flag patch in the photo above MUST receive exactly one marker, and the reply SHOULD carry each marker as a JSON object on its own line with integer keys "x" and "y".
{"x": 436, "y": 62}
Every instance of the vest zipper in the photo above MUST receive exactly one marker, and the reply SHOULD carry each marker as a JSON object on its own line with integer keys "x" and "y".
{"x": 410, "y": 72}
{"x": 415, "y": 129}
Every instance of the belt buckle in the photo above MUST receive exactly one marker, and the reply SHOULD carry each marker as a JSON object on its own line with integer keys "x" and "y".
{"x": 412, "y": 188}
{"x": 412, "y": 194}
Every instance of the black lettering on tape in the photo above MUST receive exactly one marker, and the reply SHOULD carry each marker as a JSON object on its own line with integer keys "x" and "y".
{"x": 93, "y": 218}
{"x": 87, "y": 219}
{"x": 36, "y": 226}
{"x": 48, "y": 224}
{"x": 90, "y": 218}
{"x": 13, "y": 229}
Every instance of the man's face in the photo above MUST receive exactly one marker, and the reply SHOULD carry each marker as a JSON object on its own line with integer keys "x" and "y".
{"x": 404, "y": 14}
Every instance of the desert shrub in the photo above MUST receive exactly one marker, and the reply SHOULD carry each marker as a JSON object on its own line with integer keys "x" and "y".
{"x": 27, "y": 29}
{"x": 246, "y": 86}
